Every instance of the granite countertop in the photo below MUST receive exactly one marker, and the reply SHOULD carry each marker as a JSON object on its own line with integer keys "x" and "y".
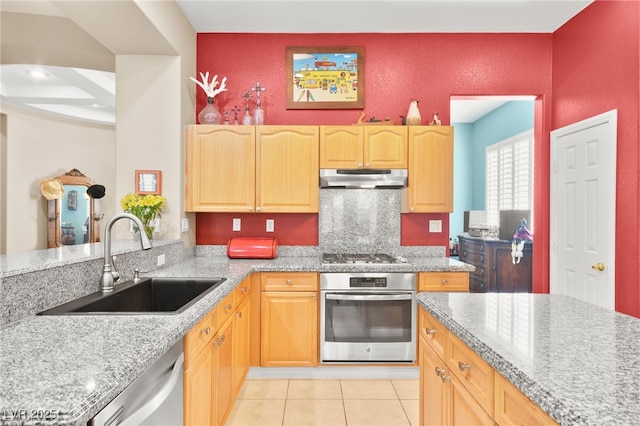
{"x": 577, "y": 361}
{"x": 74, "y": 365}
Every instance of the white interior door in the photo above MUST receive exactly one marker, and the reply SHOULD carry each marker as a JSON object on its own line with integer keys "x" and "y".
{"x": 583, "y": 206}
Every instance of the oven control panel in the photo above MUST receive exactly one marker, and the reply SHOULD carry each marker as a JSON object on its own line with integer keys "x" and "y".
{"x": 367, "y": 282}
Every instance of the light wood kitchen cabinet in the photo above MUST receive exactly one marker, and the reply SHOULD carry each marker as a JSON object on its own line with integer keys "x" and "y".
{"x": 241, "y": 342}
{"x": 222, "y": 372}
{"x": 198, "y": 373}
{"x": 444, "y": 399}
{"x": 513, "y": 408}
{"x": 217, "y": 359}
{"x": 457, "y": 387}
{"x": 357, "y": 147}
{"x": 287, "y": 169}
{"x": 443, "y": 281}
{"x": 220, "y": 168}
{"x": 289, "y": 320}
{"x": 430, "y": 170}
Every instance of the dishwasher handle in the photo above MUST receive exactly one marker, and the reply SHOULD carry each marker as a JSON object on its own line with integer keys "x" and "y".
{"x": 388, "y": 296}
{"x": 138, "y": 416}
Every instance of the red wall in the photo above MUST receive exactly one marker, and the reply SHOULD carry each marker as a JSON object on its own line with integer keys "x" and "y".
{"x": 398, "y": 67}
{"x": 596, "y": 62}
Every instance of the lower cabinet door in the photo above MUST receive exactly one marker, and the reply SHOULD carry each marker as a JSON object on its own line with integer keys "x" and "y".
{"x": 289, "y": 332}
{"x": 433, "y": 399}
{"x": 197, "y": 390}
{"x": 222, "y": 371}
{"x": 241, "y": 342}
{"x": 464, "y": 409}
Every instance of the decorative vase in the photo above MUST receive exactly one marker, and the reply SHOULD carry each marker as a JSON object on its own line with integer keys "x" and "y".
{"x": 259, "y": 114}
{"x": 210, "y": 114}
{"x": 413, "y": 115}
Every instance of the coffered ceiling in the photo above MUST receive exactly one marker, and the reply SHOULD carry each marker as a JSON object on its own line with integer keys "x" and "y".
{"x": 90, "y": 95}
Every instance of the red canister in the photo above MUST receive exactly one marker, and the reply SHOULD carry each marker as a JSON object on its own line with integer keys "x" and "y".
{"x": 252, "y": 248}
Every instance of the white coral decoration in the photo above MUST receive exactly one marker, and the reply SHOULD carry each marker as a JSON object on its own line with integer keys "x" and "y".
{"x": 210, "y": 88}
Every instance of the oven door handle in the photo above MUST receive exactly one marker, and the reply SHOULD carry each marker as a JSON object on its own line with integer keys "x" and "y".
{"x": 389, "y": 296}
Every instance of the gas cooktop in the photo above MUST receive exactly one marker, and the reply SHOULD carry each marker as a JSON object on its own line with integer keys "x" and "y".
{"x": 360, "y": 258}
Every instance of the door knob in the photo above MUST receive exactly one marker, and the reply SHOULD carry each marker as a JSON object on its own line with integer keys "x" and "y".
{"x": 598, "y": 266}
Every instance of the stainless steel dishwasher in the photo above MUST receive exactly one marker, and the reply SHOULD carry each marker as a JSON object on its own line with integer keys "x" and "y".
{"x": 154, "y": 398}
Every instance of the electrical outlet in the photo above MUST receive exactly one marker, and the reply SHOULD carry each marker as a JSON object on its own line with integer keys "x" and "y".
{"x": 270, "y": 225}
{"x": 185, "y": 225}
{"x": 435, "y": 226}
{"x": 161, "y": 260}
{"x": 155, "y": 223}
{"x": 237, "y": 224}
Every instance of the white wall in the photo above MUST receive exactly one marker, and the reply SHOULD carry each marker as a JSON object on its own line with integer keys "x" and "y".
{"x": 42, "y": 146}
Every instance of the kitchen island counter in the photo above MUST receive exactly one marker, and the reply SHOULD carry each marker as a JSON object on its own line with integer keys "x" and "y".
{"x": 64, "y": 369}
{"x": 577, "y": 361}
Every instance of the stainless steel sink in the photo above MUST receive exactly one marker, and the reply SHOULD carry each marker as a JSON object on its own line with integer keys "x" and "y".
{"x": 149, "y": 295}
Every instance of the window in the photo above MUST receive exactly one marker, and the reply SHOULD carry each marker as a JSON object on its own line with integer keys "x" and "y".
{"x": 509, "y": 176}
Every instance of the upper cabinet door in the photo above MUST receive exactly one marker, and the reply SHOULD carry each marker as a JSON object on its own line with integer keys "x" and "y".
{"x": 341, "y": 147}
{"x": 430, "y": 188}
{"x": 220, "y": 168}
{"x": 385, "y": 147}
{"x": 287, "y": 169}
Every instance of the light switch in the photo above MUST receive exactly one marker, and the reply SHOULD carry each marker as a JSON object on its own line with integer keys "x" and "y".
{"x": 185, "y": 224}
{"x": 435, "y": 226}
{"x": 270, "y": 225}
{"x": 236, "y": 224}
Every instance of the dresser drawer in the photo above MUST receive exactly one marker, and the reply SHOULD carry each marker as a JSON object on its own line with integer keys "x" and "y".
{"x": 444, "y": 281}
{"x": 477, "y": 285}
{"x": 472, "y": 257}
{"x": 289, "y": 281}
{"x": 480, "y": 272}
{"x": 473, "y": 245}
{"x": 473, "y": 372}
{"x": 433, "y": 333}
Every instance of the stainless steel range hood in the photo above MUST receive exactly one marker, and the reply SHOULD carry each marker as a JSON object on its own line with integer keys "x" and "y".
{"x": 363, "y": 178}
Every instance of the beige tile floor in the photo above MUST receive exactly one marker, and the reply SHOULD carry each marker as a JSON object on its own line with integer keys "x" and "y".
{"x": 326, "y": 402}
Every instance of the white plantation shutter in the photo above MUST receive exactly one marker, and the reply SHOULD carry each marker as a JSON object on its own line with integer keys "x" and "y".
{"x": 509, "y": 178}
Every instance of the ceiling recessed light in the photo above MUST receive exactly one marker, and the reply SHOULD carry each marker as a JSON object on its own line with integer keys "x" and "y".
{"x": 37, "y": 74}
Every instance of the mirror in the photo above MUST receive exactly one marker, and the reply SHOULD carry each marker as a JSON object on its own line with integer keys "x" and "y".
{"x": 73, "y": 219}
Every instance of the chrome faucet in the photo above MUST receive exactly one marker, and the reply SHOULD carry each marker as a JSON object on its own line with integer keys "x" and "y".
{"x": 109, "y": 274}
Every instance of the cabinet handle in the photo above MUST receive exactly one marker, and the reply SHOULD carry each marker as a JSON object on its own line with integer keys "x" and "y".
{"x": 206, "y": 331}
{"x": 289, "y": 282}
{"x": 367, "y": 165}
{"x": 413, "y": 209}
{"x": 445, "y": 282}
{"x": 360, "y": 165}
{"x": 430, "y": 331}
{"x": 439, "y": 371}
{"x": 239, "y": 314}
{"x": 250, "y": 209}
{"x": 445, "y": 378}
{"x": 462, "y": 366}
{"x": 219, "y": 341}
{"x": 313, "y": 296}
{"x": 244, "y": 289}
{"x": 229, "y": 306}
{"x": 258, "y": 209}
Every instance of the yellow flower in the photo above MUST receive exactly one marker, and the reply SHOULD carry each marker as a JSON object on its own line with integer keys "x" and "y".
{"x": 145, "y": 207}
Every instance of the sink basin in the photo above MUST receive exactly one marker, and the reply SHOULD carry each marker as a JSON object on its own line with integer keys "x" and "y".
{"x": 150, "y": 295}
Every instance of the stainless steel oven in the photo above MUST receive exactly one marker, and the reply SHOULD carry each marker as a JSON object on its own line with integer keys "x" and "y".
{"x": 367, "y": 317}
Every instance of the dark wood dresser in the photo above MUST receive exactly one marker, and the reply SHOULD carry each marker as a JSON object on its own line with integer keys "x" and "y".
{"x": 495, "y": 270}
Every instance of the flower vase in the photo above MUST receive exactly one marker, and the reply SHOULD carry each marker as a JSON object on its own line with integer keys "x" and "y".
{"x": 210, "y": 114}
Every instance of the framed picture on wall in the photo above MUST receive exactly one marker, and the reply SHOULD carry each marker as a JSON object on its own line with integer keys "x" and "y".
{"x": 321, "y": 77}
{"x": 149, "y": 182}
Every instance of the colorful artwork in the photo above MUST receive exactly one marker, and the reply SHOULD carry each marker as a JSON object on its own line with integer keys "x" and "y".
{"x": 325, "y": 78}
